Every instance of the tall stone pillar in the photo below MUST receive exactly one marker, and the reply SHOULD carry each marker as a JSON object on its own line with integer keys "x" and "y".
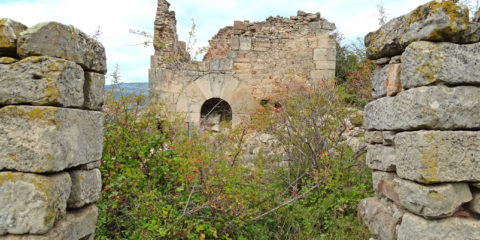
{"x": 51, "y": 131}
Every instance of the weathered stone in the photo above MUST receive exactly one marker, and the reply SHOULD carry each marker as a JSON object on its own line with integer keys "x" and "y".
{"x": 435, "y": 107}
{"x": 475, "y": 185}
{"x": 7, "y": 60}
{"x": 374, "y": 137}
{"x": 89, "y": 166}
{"x": 474, "y": 205}
{"x": 382, "y": 61}
{"x": 86, "y": 187}
{"x": 396, "y": 59}
{"x": 239, "y": 25}
{"x": 48, "y": 139}
{"x": 434, "y": 201}
{"x": 426, "y": 63}
{"x": 32, "y": 203}
{"x": 377, "y": 176}
{"x": 221, "y": 64}
{"x": 379, "y": 81}
{"x": 78, "y": 225}
{"x": 438, "y": 156}
{"x": 380, "y": 216}
{"x": 42, "y": 81}
{"x": 9, "y": 33}
{"x": 455, "y": 228}
{"x": 245, "y": 43}
{"x": 381, "y": 158}
{"x": 62, "y": 41}
{"x": 394, "y": 85}
{"x": 472, "y": 34}
{"x": 94, "y": 90}
{"x": 388, "y": 138}
{"x": 433, "y": 21}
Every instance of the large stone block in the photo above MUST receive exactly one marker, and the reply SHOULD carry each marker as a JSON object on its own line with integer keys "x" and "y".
{"x": 78, "y": 225}
{"x": 434, "y": 21}
{"x": 379, "y": 81}
{"x": 62, "y": 41}
{"x": 42, "y": 81}
{"x": 435, "y": 201}
{"x": 48, "y": 139}
{"x": 426, "y": 63}
{"x": 434, "y": 107}
{"x": 438, "y": 156}
{"x": 94, "y": 90}
{"x": 381, "y": 157}
{"x": 380, "y": 216}
{"x": 86, "y": 187}
{"x": 31, "y": 203}
{"x": 9, "y": 33}
{"x": 455, "y": 228}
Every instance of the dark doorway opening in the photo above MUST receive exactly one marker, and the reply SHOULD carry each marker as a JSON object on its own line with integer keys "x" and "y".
{"x": 215, "y": 111}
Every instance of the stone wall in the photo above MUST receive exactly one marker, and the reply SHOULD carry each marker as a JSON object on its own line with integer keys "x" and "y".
{"x": 422, "y": 129}
{"x": 245, "y": 64}
{"x": 51, "y": 131}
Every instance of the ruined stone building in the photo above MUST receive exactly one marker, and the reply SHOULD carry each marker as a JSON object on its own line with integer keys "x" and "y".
{"x": 247, "y": 65}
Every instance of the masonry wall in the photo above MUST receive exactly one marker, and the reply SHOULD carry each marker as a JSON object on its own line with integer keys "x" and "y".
{"x": 51, "y": 131}
{"x": 245, "y": 64}
{"x": 422, "y": 127}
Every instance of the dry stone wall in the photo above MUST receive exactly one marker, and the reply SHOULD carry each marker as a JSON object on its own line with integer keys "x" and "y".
{"x": 422, "y": 129}
{"x": 51, "y": 131}
{"x": 245, "y": 64}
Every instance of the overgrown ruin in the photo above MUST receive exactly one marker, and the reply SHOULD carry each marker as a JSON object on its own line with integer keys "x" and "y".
{"x": 247, "y": 65}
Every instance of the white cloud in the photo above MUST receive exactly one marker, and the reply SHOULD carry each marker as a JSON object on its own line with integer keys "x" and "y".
{"x": 354, "y": 18}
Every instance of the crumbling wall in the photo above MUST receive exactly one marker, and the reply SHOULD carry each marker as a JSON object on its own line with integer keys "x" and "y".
{"x": 423, "y": 126}
{"x": 51, "y": 131}
{"x": 247, "y": 63}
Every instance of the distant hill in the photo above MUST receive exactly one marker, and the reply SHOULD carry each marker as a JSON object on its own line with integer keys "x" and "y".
{"x": 131, "y": 88}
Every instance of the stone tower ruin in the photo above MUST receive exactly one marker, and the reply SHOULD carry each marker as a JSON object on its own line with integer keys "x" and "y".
{"x": 246, "y": 66}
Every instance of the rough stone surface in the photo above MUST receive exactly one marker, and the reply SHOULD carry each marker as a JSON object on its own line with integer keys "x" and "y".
{"x": 94, "y": 90}
{"x": 379, "y": 81}
{"x": 62, "y": 41}
{"x": 414, "y": 227}
{"x": 373, "y": 137}
{"x": 48, "y": 139}
{"x": 7, "y": 60}
{"x": 77, "y": 225}
{"x": 86, "y": 187}
{"x": 381, "y": 157}
{"x": 474, "y": 205}
{"x": 380, "y": 216}
{"x": 388, "y": 138}
{"x": 438, "y": 156}
{"x": 394, "y": 84}
{"x": 433, "y": 21}
{"x": 42, "y": 81}
{"x": 32, "y": 203}
{"x": 434, "y": 201}
{"x": 9, "y": 33}
{"x": 427, "y": 63}
{"x": 472, "y": 34}
{"x": 475, "y": 185}
{"x": 434, "y": 107}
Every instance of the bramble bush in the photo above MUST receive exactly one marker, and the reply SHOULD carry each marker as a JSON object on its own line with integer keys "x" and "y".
{"x": 161, "y": 184}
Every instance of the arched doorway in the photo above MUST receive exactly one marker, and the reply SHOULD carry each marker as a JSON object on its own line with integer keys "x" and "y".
{"x": 214, "y": 111}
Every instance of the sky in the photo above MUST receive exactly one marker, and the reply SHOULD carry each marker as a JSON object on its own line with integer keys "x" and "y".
{"x": 353, "y": 18}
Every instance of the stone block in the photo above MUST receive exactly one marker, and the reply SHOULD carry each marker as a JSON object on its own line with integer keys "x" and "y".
{"x": 48, "y": 139}
{"x": 434, "y": 107}
{"x": 328, "y": 54}
{"x": 245, "y": 43}
{"x": 221, "y": 64}
{"x": 381, "y": 158}
{"x": 57, "y": 40}
{"x": 322, "y": 74}
{"x": 394, "y": 84}
{"x": 42, "y": 81}
{"x": 427, "y": 63}
{"x": 396, "y": 59}
{"x": 429, "y": 201}
{"x": 373, "y": 137}
{"x": 78, "y": 225}
{"x": 455, "y": 228}
{"x": 86, "y": 187}
{"x": 379, "y": 81}
{"x": 32, "y": 203}
{"x": 325, "y": 65}
{"x": 9, "y": 32}
{"x": 438, "y": 156}
{"x": 380, "y": 216}
{"x": 388, "y": 138}
{"x": 239, "y": 25}
{"x": 474, "y": 205}
{"x": 94, "y": 90}
{"x": 433, "y": 21}
{"x": 472, "y": 34}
